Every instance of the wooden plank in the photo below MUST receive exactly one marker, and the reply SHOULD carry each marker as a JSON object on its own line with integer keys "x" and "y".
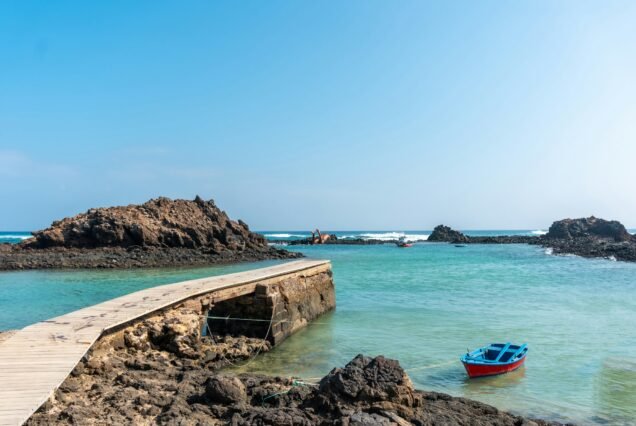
{"x": 37, "y": 359}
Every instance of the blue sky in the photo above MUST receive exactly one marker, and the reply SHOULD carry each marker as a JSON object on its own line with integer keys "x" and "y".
{"x": 341, "y": 115}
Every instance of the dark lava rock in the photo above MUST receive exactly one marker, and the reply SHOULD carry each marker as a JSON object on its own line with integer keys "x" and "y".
{"x": 364, "y": 381}
{"x": 443, "y": 233}
{"x": 591, "y": 237}
{"x": 225, "y": 390}
{"x": 160, "y": 232}
{"x": 341, "y": 241}
{"x": 569, "y": 229}
{"x": 504, "y": 239}
{"x": 165, "y": 375}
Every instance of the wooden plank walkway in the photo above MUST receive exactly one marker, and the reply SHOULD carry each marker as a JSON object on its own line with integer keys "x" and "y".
{"x": 38, "y": 358}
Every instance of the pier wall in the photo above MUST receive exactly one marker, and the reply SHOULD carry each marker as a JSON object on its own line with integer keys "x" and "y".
{"x": 275, "y": 310}
{"x": 271, "y": 309}
{"x": 168, "y": 317}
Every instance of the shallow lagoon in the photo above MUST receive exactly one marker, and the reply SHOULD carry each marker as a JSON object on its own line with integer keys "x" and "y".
{"x": 425, "y": 306}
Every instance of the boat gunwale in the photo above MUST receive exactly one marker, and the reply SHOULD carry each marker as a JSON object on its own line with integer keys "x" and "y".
{"x": 523, "y": 348}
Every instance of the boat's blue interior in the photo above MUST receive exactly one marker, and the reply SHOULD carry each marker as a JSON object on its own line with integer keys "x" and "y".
{"x": 497, "y": 352}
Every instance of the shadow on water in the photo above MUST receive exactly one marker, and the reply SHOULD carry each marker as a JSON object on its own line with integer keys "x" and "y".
{"x": 292, "y": 357}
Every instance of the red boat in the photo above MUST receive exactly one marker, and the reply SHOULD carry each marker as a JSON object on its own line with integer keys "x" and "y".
{"x": 496, "y": 358}
{"x": 402, "y": 243}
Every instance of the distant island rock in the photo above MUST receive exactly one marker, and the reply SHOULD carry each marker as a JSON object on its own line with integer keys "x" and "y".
{"x": 443, "y": 233}
{"x": 590, "y": 227}
{"x": 160, "y": 232}
{"x": 587, "y": 237}
{"x": 591, "y": 237}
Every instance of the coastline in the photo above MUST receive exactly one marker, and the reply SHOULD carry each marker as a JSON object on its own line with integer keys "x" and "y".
{"x": 162, "y": 370}
{"x": 13, "y": 258}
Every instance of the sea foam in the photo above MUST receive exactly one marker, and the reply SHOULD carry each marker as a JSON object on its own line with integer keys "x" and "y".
{"x": 388, "y": 236}
{"x": 539, "y": 232}
{"x": 14, "y": 237}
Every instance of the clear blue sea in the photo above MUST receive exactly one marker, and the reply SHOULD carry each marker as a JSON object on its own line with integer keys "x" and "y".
{"x": 425, "y": 306}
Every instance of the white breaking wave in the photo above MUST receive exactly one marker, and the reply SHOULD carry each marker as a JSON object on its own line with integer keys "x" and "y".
{"x": 285, "y": 235}
{"x": 387, "y": 236}
{"x": 549, "y": 250}
{"x": 539, "y": 232}
{"x": 15, "y": 237}
{"x": 612, "y": 258}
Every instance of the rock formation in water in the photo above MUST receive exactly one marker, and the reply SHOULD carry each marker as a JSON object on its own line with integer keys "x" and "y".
{"x": 591, "y": 237}
{"x": 588, "y": 237}
{"x": 591, "y": 227}
{"x": 443, "y": 233}
{"x": 162, "y": 371}
{"x": 160, "y": 232}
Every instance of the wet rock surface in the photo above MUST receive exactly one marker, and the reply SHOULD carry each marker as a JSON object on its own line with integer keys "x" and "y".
{"x": 162, "y": 371}
{"x": 160, "y": 232}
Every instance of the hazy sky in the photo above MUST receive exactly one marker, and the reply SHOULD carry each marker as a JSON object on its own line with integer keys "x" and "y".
{"x": 341, "y": 115}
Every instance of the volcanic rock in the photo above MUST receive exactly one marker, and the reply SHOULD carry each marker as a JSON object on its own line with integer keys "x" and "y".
{"x": 569, "y": 229}
{"x": 160, "y": 222}
{"x": 591, "y": 237}
{"x": 443, "y": 233}
{"x": 160, "y": 232}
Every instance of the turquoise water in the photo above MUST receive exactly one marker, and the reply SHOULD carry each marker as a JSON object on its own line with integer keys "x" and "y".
{"x": 14, "y": 237}
{"x": 425, "y": 306}
{"x": 30, "y": 296}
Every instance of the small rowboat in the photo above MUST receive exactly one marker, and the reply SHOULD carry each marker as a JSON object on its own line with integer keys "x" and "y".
{"x": 497, "y": 358}
{"x": 403, "y": 244}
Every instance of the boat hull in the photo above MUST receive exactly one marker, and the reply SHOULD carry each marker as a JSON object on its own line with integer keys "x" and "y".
{"x": 481, "y": 370}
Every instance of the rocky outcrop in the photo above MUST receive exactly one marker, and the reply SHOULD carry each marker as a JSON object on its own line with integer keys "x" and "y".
{"x": 591, "y": 237}
{"x": 340, "y": 241}
{"x": 152, "y": 387}
{"x": 591, "y": 227}
{"x": 160, "y": 222}
{"x": 443, "y": 233}
{"x": 160, "y": 232}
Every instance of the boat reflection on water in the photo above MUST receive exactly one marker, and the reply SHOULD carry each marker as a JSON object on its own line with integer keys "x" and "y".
{"x": 490, "y": 384}
{"x": 616, "y": 391}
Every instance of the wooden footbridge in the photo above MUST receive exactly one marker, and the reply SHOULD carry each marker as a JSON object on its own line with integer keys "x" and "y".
{"x": 37, "y": 359}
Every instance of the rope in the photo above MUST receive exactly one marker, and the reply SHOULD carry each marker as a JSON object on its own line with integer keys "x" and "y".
{"x": 271, "y": 320}
{"x": 250, "y": 359}
{"x": 269, "y": 328}
{"x": 295, "y": 383}
{"x": 228, "y": 318}
{"x": 426, "y": 367}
